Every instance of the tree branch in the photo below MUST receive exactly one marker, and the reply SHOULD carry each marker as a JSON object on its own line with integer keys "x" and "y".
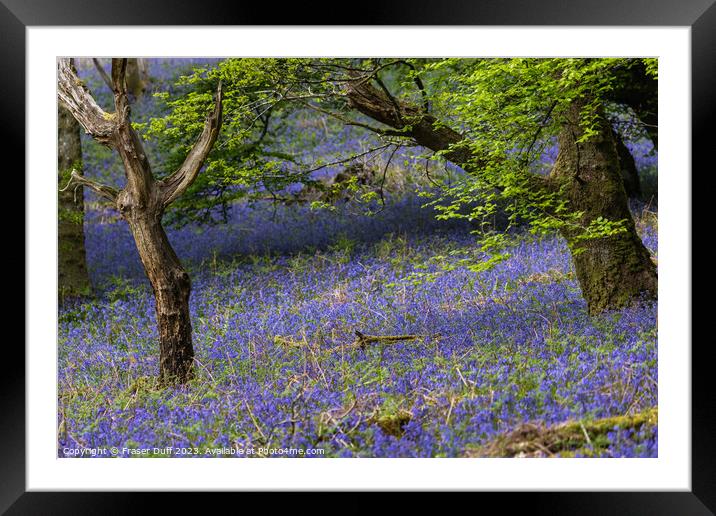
{"x": 390, "y": 97}
{"x": 176, "y": 184}
{"x": 301, "y": 174}
{"x": 105, "y": 77}
{"x": 349, "y": 158}
{"x": 119, "y": 87}
{"x": 537, "y": 133}
{"x": 105, "y": 191}
{"x": 355, "y": 123}
{"x": 422, "y": 127}
{"x": 140, "y": 181}
{"x": 385, "y": 172}
{"x": 74, "y": 95}
{"x": 419, "y": 83}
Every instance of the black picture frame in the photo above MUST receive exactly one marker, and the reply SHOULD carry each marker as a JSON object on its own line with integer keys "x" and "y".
{"x": 700, "y": 15}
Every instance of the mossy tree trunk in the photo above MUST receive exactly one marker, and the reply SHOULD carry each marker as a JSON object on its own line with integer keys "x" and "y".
{"x": 612, "y": 271}
{"x": 73, "y": 279}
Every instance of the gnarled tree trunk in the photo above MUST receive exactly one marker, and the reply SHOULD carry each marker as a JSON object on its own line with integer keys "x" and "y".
{"x": 72, "y": 276}
{"x": 170, "y": 283}
{"x": 612, "y": 271}
{"x": 142, "y": 202}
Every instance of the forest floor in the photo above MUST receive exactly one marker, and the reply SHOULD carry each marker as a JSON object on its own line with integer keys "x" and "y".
{"x": 289, "y": 313}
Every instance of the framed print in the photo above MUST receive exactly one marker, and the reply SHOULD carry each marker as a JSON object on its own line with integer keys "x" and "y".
{"x": 420, "y": 248}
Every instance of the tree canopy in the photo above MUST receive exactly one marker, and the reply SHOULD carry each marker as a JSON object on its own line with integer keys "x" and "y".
{"x": 498, "y": 118}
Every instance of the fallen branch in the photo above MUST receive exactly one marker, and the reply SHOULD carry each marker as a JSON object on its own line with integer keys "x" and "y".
{"x": 360, "y": 343}
{"x": 364, "y": 339}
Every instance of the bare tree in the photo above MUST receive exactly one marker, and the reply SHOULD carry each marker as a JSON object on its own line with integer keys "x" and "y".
{"x": 142, "y": 202}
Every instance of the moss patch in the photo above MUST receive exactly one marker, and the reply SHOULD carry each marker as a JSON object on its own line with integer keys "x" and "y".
{"x": 566, "y": 439}
{"x": 392, "y": 424}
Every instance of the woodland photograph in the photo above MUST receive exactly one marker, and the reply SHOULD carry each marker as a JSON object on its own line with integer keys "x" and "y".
{"x": 326, "y": 257}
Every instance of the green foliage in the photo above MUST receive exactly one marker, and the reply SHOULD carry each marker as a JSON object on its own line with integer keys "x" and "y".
{"x": 343, "y": 247}
{"x": 652, "y": 67}
{"x": 584, "y": 438}
{"x": 71, "y": 216}
{"x": 244, "y": 161}
{"x": 64, "y": 175}
{"x": 122, "y": 289}
{"x": 69, "y": 213}
{"x": 509, "y": 110}
{"x": 322, "y": 205}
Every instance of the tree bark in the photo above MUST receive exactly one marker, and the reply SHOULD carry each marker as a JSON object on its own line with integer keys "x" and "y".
{"x": 612, "y": 271}
{"x": 410, "y": 121}
{"x": 170, "y": 283}
{"x": 627, "y": 165}
{"x": 73, "y": 278}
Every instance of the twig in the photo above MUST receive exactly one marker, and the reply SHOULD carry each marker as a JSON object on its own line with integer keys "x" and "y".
{"x": 318, "y": 364}
{"x": 255, "y": 422}
{"x": 205, "y": 369}
{"x": 539, "y": 130}
{"x": 355, "y": 123}
{"x": 452, "y": 404}
{"x": 105, "y": 76}
{"x": 586, "y": 435}
{"x": 462, "y": 377}
{"x": 385, "y": 171}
